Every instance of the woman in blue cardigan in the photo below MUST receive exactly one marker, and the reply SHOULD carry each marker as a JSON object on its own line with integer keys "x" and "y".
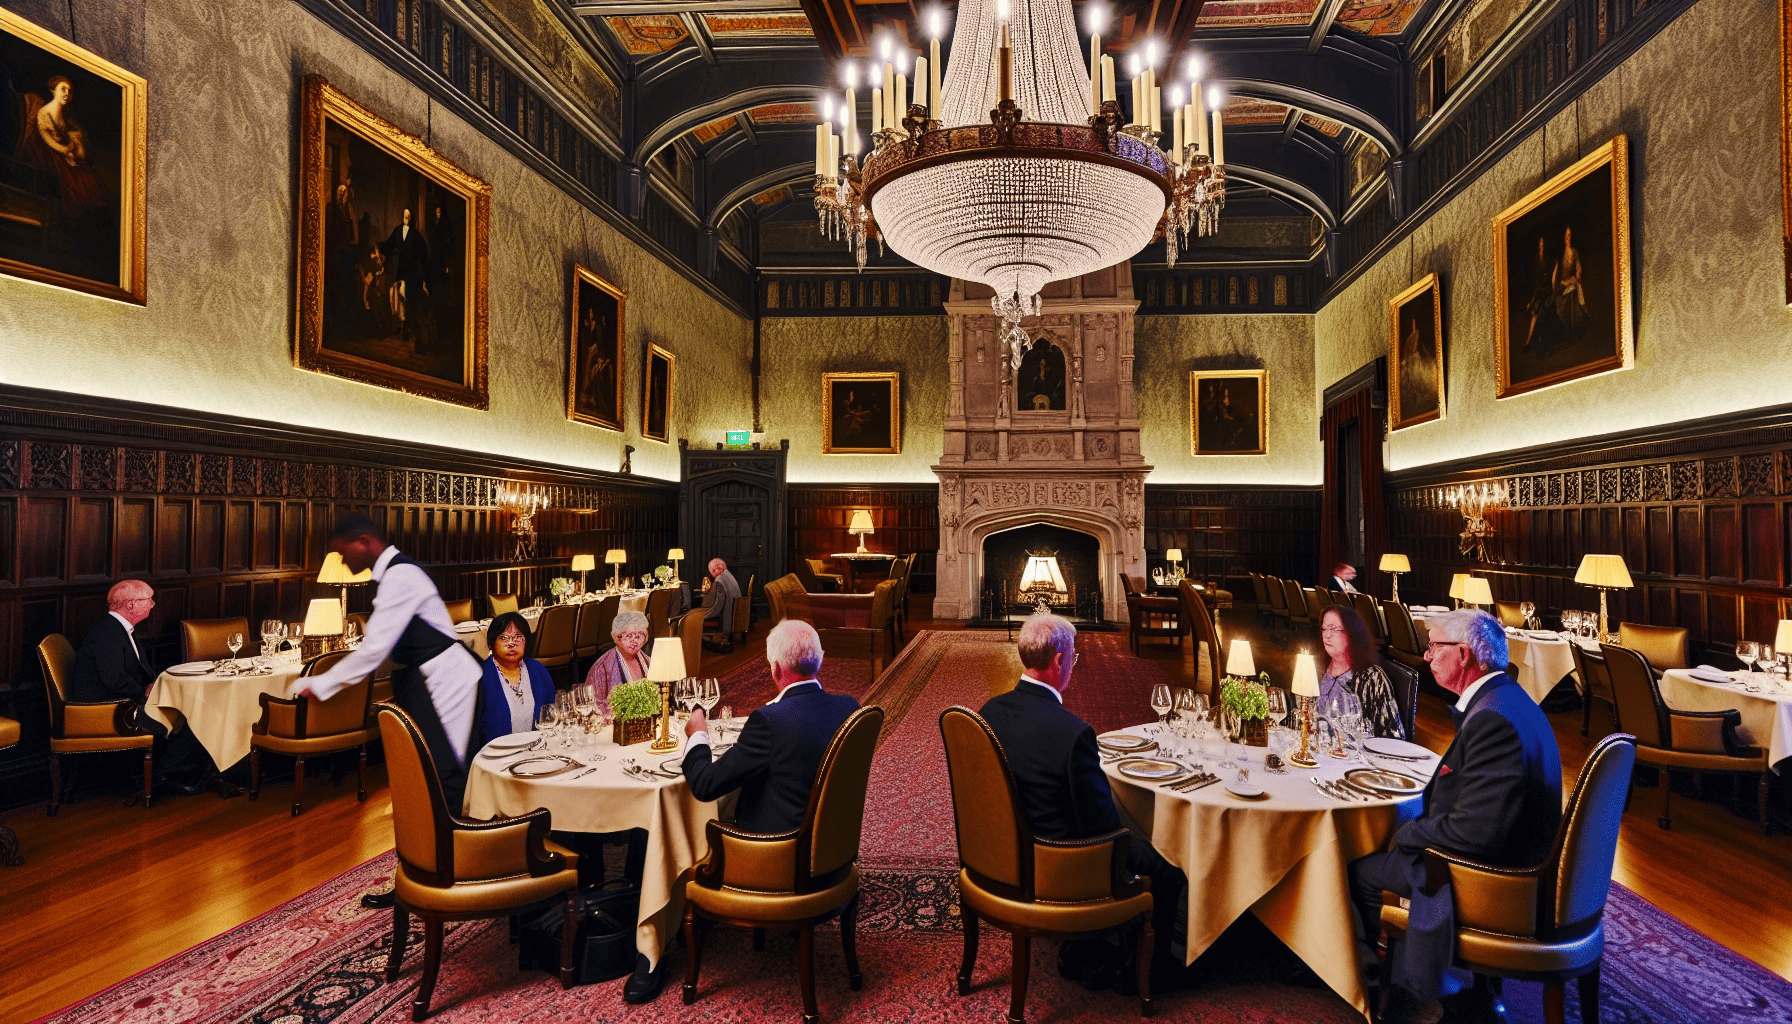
{"x": 514, "y": 686}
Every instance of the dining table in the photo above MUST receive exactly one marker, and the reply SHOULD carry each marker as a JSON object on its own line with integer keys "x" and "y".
{"x": 1766, "y": 710}
{"x": 1540, "y": 658}
{"x": 599, "y": 793}
{"x": 220, "y": 708}
{"x": 1282, "y": 856}
{"x": 855, "y": 562}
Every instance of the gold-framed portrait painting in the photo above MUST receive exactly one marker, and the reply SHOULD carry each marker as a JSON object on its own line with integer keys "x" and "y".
{"x": 1416, "y": 354}
{"x": 656, "y": 394}
{"x": 1228, "y": 412}
{"x": 594, "y": 364}
{"x": 73, "y": 131}
{"x": 861, "y": 413}
{"x": 393, "y": 247}
{"x": 1561, "y": 259}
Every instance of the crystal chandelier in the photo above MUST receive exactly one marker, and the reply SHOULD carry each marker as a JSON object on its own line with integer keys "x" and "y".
{"x": 1022, "y": 169}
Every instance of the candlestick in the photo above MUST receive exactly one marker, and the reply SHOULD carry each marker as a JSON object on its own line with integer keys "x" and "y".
{"x": 1198, "y": 114}
{"x": 1107, "y": 78}
{"x": 1219, "y": 137}
{"x": 849, "y": 114}
{"x": 821, "y": 150}
{"x": 877, "y": 110}
{"x": 1005, "y": 54}
{"x": 1305, "y": 687}
{"x": 1157, "y": 108}
{"x": 833, "y": 156}
{"x": 933, "y": 70}
{"x": 921, "y": 83}
{"x": 899, "y": 103}
{"x": 889, "y": 117}
{"x": 1176, "y": 125}
{"x": 1094, "y": 68}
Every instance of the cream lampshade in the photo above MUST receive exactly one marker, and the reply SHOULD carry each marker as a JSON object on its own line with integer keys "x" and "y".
{"x": 1603, "y": 572}
{"x": 1306, "y": 676}
{"x": 1174, "y": 557}
{"x": 1475, "y": 591}
{"x": 1395, "y": 563}
{"x": 323, "y": 620}
{"x": 1239, "y": 661}
{"x": 861, "y": 525}
{"x": 675, "y": 555}
{"x": 583, "y": 564}
{"x": 334, "y": 572}
{"x": 667, "y": 662}
{"x": 615, "y": 557}
{"x": 1782, "y": 639}
{"x": 1456, "y": 583}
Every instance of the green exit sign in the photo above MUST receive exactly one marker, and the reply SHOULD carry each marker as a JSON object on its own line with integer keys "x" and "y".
{"x": 739, "y": 438}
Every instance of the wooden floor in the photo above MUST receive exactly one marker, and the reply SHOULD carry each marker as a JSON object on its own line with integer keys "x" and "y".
{"x": 107, "y": 890}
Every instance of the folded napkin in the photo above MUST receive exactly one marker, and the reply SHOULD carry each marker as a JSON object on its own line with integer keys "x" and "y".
{"x": 1710, "y": 674}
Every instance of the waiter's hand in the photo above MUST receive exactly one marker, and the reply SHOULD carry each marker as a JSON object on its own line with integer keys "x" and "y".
{"x": 697, "y": 723}
{"x": 300, "y": 694}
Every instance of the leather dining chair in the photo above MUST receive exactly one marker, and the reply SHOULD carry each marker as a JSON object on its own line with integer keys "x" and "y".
{"x": 786, "y": 599}
{"x": 308, "y": 727}
{"x": 204, "y": 639}
{"x": 555, "y": 633}
{"x": 1595, "y": 685}
{"x": 1405, "y": 681}
{"x": 453, "y": 869}
{"x": 1025, "y": 885}
{"x": 1403, "y": 637}
{"x": 1543, "y": 923}
{"x": 501, "y": 603}
{"x": 1278, "y": 599}
{"x": 1148, "y": 615}
{"x": 88, "y": 727}
{"x": 9, "y": 840}
{"x": 659, "y": 613}
{"x": 592, "y": 635}
{"x": 688, "y": 628}
{"x": 899, "y": 570}
{"x": 1260, "y": 588}
{"x": 1508, "y": 614}
{"x": 1369, "y": 610}
{"x": 792, "y": 880}
{"x": 740, "y": 619}
{"x": 461, "y": 610}
{"x": 1207, "y": 637}
{"x": 1664, "y": 646}
{"x": 1296, "y": 596}
{"x": 1667, "y": 738}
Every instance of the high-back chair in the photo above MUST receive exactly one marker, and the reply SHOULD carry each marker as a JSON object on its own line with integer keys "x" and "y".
{"x": 899, "y": 570}
{"x": 1405, "y": 681}
{"x": 307, "y": 727}
{"x": 1025, "y": 885}
{"x": 591, "y": 637}
{"x": 88, "y": 727}
{"x": 742, "y": 626}
{"x": 555, "y": 632}
{"x": 461, "y": 610}
{"x": 1296, "y": 597}
{"x": 501, "y": 603}
{"x": 1260, "y": 590}
{"x": 1148, "y": 615}
{"x": 1132, "y": 584}
{"x": 1369, "y": 610}
{"x": 1403, "y": 637}
{"x": 452, "y": 869}
{"x": 876, "y": 638}
{"x": 1201, "y": 627}
{"x": 815, "y": 577}
{"x": 792, "y": 880}
{"x": 1595, "y": 683}
{"x": 1317, "y": 602}
{"x": 659, "y": 613}
{"x": 9, "y": 840}
{"x": 1278, "y": 599}
{"x": 688, "y": 628}
{"x": 1509, "y": 614}
{"x": 1666, "y": 738}
{"x": 1664, "y": 646}
{"x": 786, "y": 599}
{"x": 207, "y": 639}
{"x": 1542, "y": 923}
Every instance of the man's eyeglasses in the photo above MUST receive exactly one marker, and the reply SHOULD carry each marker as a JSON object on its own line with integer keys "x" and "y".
{"x": 1435, "y": 644}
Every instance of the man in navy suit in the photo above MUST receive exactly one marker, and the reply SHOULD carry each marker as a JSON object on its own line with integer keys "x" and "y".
{"x": 1496, "y": 797}
{"x": 110, "y": 666}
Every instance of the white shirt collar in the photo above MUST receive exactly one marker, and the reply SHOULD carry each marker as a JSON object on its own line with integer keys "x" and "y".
{"x": 1044, "y": 686}
{"x": 1468, "y": 695}
{"x": 383, "y": 562}
{"x": 126, "y": 623}
{"x": 806, "y": 682}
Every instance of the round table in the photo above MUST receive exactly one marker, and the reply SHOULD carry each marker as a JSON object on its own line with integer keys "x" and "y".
{"x": 1283, "y": 856}
{"x": 850, "y": 560}
{"x": 1766, "y": 713}
{"x": 1540, "y": 659}
{"x": 221, "y": 710}
{"x": 601, "y": 797}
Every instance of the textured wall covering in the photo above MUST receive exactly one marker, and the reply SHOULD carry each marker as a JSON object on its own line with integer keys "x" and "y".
{"x": 1168, "y": 347}
{"x": 1710, "y": 319}
{"x": 217, "y": 332}
{"x": 795, "y": 351}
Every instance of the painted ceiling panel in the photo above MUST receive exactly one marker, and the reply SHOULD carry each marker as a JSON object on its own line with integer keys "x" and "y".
{"x": 714, "y": 129}
{"x": 1322, "y": 125}
{"x": 1247, "y": 110}
{"x": 1371, "y": 17}
{"x": 772, "y": 196}
{"x": 760, "y": 25}
{"x": 785, "y": 113}
{"x": 1379, "y": 17}
{"x": 649, "y": 33}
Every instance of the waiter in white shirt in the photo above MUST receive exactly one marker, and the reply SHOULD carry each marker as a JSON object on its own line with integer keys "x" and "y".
{"x": 436, "y": 678}
{"x": 1342, "y": 574}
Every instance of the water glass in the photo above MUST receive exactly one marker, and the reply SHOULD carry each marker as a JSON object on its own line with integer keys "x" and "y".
{"x": 1528, "y": 609}
{"x": 1161, "y": 702}
{"x": 1278, "y": 704}
{"x": 235, "y": 643}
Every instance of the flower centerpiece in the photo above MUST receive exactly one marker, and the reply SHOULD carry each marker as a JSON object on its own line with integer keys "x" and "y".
{"x": 633, "y": 707}
{"x": 561, "y": 587}
{"x": 1246, "y": 702}
{"x": 663, "y": 573}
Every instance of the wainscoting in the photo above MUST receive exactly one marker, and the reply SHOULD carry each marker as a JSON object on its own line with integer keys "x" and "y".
{"x": 907, "y": 517}
{"x": 1222, "y": 532}
{"x": 1701, "y": 513}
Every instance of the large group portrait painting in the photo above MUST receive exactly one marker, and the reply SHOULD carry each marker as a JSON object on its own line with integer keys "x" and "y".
{"x": 73, "y": 128}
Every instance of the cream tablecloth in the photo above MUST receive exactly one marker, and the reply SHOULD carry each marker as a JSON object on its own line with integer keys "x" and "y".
{"x": 221, "y": 710}
{"x": 1539, "y": 664}
{"x": 1282, "y": 857}
{"x": 1766, "y": 715}
{"x": 607, "y": 800}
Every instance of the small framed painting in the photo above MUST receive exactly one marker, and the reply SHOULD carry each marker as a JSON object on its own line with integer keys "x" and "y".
{"x": 1227, "y": 412}
{"x": 861, "y": 413}
{"x": 73, "y": 127}
{"x": 1416, "y": 355}
{"x": 1561, "y": 260}
{"x": 392, "y": 255}
{"x": 594, "y": 361}
{"x": 656, "y": 394}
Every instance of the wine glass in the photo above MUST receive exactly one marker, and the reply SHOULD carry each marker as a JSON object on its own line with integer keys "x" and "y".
{"x": 545, "y": 716}
{"x": 1281, "y": 742}
{"x": 351, "y": 633}
{"x": 710, "y": 696}
{"x": 1350, "y": 722}
{"x": 235, "y": 642}
{"x": 1161, "y": 702}
{"x": 270, "y": 628}
{"x": 1747, "y": 651}
{"x": 1278, "y": 703}
{"x": 722, "y": 721}
{"x": 1528, "y": 609}
{"x": 1182, "y": 714}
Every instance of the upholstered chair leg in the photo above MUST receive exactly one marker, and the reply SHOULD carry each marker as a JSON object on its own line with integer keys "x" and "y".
{"x": 298, "y": 785}
{"x": 432, "y": 962}
{"x": 970, "y": 952}
{"x": 1023, "y": 964}
{"x": 1143, "y": 956}
{"x": 1667, "y": 792}
{"x": 149, "y": 777}
{"x": 1555, "y": 1003}
{"x": 849, "y": 942}
{"x": 1589, "y": 996}
{"x": 569, "y": 935}
{"x": 805, "y": 972}
{"x": 55, "y": 803}
{"x": 254, "y": 773}
{"x": 361, "y": 774}
{"x": 401, "y": 927}
{"x": 693, "y": 948}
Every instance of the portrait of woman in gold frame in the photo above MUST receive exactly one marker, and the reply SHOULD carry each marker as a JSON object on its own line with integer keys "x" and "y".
{"x": 1561, "y": 261}
{"x": 1228, "y": 412}
{"x": 861, "y": 413}
{"x": 76, "y": 201}
{"x": 656, "y": 394}
{"x": 1416, "y": 355}
{"x": 393, "y": 251}
{"x": 594, "y": 363}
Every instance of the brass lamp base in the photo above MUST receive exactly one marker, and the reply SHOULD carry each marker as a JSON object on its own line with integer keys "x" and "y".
{"x": 663, "y": 741}
{"x": 1303, "y": 757}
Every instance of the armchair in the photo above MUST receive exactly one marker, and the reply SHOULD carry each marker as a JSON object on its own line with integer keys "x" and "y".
{"x": 461, "y": 610}
{"x": 1509, "y": 614}
{"x": 501, "y": 603}
{"x": 9, "y": 840}
{"x": 1595, "y": 685}
{"x": 301, "y": 728}
{"x": 813, "y": 573}
{"x": 797, "y": 879}
{"x": 1149, "y": 616}
{"x": 204, "y": 639}
{"x": 87, "y": 728}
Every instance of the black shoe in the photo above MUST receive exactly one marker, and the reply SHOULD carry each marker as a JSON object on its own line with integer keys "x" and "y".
{"x": 379, "y": 900}
{"x": 185, "y": 787}
{"x": 644, "y": 985}
{"x": 1090, "y": 961}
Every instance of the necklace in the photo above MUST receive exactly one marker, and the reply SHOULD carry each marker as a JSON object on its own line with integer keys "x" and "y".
{"x": 516, "y": 688}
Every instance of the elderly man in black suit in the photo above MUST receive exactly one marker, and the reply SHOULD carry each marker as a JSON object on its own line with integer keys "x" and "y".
{"x": 1065, "y": 795}
{"x": 1496, "y": 797}
{"x": 110, "y": 666}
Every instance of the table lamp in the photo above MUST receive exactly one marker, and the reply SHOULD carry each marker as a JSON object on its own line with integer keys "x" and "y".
{"x": 665, "y": 668}
{"x": 676, "y": 555}
{"x": 583, "y": 564}
{"x": 1782, "y": 642}
{"x": 335, "y": 573}
{"x": 1239, "y": 662}
{"x": 1305, "y": 687}
{"x": 615, "y": 557}
{"x": 1396, "y": 564}
{"x": 323, "y": 620}
{"x": 1476, "y": 591}
{"x": 1174, "y": 557}
{"x": 861, "y": 525}
{"x": 1456, "y": 583}
{"x": 1603, "y": 573}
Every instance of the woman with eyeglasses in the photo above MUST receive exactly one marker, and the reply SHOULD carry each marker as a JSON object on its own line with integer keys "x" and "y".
{"x": 625, "y": 662}
{"x": 1355, "y": 668}
{"x": 514, "y": 686}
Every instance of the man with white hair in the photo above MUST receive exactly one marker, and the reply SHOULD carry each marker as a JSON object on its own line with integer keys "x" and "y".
{"x": 1496, "y": 798}
{"x": 111, "y": 666}
{"x": 720, "y": 592}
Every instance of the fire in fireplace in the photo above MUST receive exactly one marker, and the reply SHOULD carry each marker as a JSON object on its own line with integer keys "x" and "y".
{"x": 1009, "y": 589}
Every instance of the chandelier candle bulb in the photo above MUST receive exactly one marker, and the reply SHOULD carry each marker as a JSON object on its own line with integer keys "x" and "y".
{"x": 1176, "y": 126}
{"x": 1095, "y": 20}
{"x": 933, "y": 71}
{"x": 1198, "y": 116}
{"x": 1219, "y": 134}
{"x": 1107, "y": 78}
{"x": 899, "y": 102}
{"x": 833, "y": 156}
{"x": 1157, "y": 106}
{"x": 920, "y": 97}
{"x": 877, "y": 110}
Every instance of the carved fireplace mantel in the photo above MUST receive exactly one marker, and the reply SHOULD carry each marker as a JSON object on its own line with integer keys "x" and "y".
{"x": 1009, "y": 462}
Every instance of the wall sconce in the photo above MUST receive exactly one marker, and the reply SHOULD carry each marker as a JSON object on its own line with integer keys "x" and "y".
{"x": 523, "y": 504}
{"x": 1476, "y": 502}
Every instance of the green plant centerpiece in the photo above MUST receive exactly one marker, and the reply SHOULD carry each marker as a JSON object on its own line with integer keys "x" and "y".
{"x": 1246, "y": 702}
{"x": 663, "y": 573}
{"x": 561, "y": 587}
{"x": 634, "y": 706}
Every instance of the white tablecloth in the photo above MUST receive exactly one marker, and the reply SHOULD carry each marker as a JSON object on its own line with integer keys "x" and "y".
{"x": 1538, "y": 664}
{"x": 1766, "y": 715}
{"x": 221, "y": 710}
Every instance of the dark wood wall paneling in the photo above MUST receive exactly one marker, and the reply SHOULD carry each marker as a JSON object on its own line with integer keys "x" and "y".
{"x": 1194, "y": 291}
{"x": 907, "y": 517}
{"x": 1703, "y": 520}
{"x": 1223, "y": 533}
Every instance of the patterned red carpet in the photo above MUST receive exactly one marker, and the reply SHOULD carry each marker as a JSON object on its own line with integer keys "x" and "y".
{"x": 320, "y": 957}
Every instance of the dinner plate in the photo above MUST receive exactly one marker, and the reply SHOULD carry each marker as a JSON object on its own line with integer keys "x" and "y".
{"x": 1704, "y": 674}
{"x": 467, "y": 627}
{"x": 542, "y": 767}
{"x": 1126, "y": 742}
{"x": 1244, "y": 790}
{"x": 1382, "y": 780}
{"x": 675, "y": 765}
{"x": 1149, "y": 768}
{"x": 514, "y": 740}
{"x": 1390, "y": 747}
{"x": 191, "y": 668}
{"x": 1544, "y": 634}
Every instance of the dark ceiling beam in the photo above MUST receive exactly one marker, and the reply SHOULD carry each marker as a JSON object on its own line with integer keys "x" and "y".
{"x": 699, "y": 38}
{"x": 1315, "y": 103}
{"x": 1324, "y": 16}
{"x": 1287, "y": 188}
{"x": 1291, "y": 124}
{"x": 1354, "y": 79}
{"x": 746, "y": 190}
{"x": 728, "y": 168}
{"x": 608, "y": 8}
{"x": 700, "y": 93}
{"x": 746, "y": 127}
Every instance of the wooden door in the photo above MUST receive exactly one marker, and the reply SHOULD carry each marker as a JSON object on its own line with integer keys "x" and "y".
{"x": 733, "y": 506}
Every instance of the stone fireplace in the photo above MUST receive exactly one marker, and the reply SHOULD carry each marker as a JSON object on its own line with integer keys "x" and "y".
{"x": 1054, "y": 442}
